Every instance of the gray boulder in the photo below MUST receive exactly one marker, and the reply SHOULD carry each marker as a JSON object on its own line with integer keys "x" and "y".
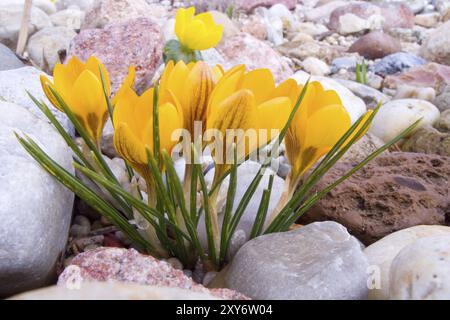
{"x": 35, "y": 209}
{"x": 14, "y": 85}
{"x": 318, "y": 261}
{"x": 8, "y": 59}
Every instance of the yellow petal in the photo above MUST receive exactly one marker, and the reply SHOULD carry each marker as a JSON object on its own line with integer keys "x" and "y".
{"x": 89, "y": 104}
{"x": 128, "y": 145}
{"x": 124, "y": 108}
{"x": 182, "y": 18}
{"x": 290, "y": 89}
{"x": 194, "y": 34}
{"x": 45, "y": 83}
{"x": 274, "y": 114}
{"x": 176, "y": 82}
{"x": 226, "y": 86}
{"x": 170, "y": 120}
{"x": 198, "y": 88}
{"x": 261, "y": 83}
{"x": 96, "y": 67}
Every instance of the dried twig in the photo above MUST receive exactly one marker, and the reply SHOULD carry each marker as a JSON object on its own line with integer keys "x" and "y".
{"x": 23, "y": 33}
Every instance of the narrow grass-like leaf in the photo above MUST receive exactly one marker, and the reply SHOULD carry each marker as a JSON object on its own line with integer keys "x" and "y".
{"x": 312, "y": 200}
{"x": 231, "y": 195}
{"x": 156, "y": 138}
{"x": 262, "y": 210}
{"x": 82, "y": 191}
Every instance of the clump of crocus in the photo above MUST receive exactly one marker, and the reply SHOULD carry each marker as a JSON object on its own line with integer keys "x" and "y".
{"x": 195, "y": 33}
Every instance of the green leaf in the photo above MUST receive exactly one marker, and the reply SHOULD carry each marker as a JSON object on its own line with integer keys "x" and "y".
{"x": 82, "y": 191}
{"x": 262, "y": 210}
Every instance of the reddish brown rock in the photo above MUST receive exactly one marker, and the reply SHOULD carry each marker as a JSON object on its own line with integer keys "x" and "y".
{"x": 245, "y": 49}
{"x": 250, "y": 5}
{"x": 395, "y": 15}
{"x": 432, "y": 75}
{"x": 375, "y": 45}
{"x": 137, "y": 42}
{"x": 396, "y": 191}
{"x": 129, "y": 266}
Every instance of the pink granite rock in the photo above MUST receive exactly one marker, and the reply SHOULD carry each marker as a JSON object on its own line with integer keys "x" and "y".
{"x": 375, "y": 45}
{"x": 246, "y": 49}
{"x": 104, "y": 12}
{"x": 436, "y": 47}
{"x": 256, "y": 28}
{"x": 432, "y": 75}
{"x": 138, "y": 42}
{"x": 250, "y": 5}
{"x": 395, "y": 15}
{"x": 129, "y": 266}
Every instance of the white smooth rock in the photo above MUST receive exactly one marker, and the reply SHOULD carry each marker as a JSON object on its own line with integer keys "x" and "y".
{"x": 355, "y": 106}
{"x": 70, "y": 18}
{"x": 381, "y": 253}
{"x": 35, "y": 209}
{"x": 397, "y": 115}
{"x": 113, "y": 291}
{"x": 421, "y": 271}
{"x": 315, "y": 67}
{"x": 14, "y": 85}
{"x": 44, "y": 45}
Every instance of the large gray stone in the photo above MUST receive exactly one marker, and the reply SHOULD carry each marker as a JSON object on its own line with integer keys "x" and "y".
{"x": 318, "y": 261}
{"x": 8, "y": 59}
{"x": 14, "y": 85}
{"x": 35, "y": 209}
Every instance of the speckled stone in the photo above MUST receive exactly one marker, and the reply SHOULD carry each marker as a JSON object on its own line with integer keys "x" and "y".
{"x": 138, "y": 42}
{"x": 106, "y": 264}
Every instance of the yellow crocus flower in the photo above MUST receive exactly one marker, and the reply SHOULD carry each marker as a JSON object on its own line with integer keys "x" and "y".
{"x": 197, "y": 32}
{"x": 318, "y": 124}
{"x": 192, "y": 85}
{"x": 133, "y": 123}
{"x": 249, "y": 100}
{"x": 80, "y": 86}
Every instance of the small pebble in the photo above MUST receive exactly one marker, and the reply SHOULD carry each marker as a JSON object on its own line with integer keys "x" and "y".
{"x": 78, "y": 231}
{"x": 175, "y": 263}
{"x": 209, "y": 277}
{"x": 82, "y": 221}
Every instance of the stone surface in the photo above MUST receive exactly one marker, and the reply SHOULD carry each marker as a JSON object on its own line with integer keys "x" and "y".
{"x": 397, "y": 62}
{"x": 14, "y": 85}
{"x": 354, "y": 105}
{"x": 8, "y": 60}
{"x": 84, "y": 5}
{"x": 35, "y": 209}
{"x": 302, "y": 50}
{"x": 105, "y": 12}
{"x": 443, "y": 123}
{"x": 315, "y": 67}
{"x": 114, "y": 264}
{"x": 245, "y": 49}
{"x": 363, "y": 148}
{"x": 113, "y": 291}
{"x": 382, "y": 253}
{"x": 431, "y": 75}
{"x": 429, "y": 140}
{"x": 137, "y": 42}
{"x": 421, "y": 270}
{"x": 47, "y": 6}
{"x": 370, "y": 96}
{"x": 71, "y": 18}
{"x": 393, "y": 192}
{"x": 250, "y": 5}
{"x": 328, "y": 264}
{"x": 10, "y": 22}
{"x": 427, "y": 20}
{"x": 246, "y": 174}
{"x": 397, "y": 115}
{"x": 322, "y": 13}
{"x": 375, "y": 45}
{"x": 442, "y": 101}
{"x": 229, "y": 27}
{"x": 356, "y": 17}
{"x": 436, "y": 47}
{"x": 44, "y": 45}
